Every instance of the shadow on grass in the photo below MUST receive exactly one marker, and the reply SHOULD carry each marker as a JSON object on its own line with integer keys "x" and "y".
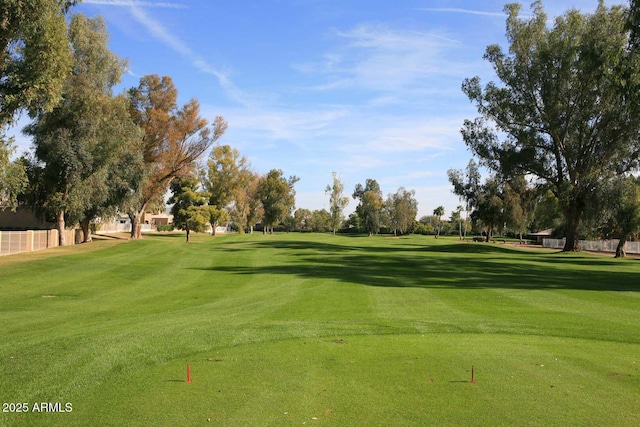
{"x": 455, "y": 266}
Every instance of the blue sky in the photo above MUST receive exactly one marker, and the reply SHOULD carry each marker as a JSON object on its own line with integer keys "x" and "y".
{"x": 368, "y": 89}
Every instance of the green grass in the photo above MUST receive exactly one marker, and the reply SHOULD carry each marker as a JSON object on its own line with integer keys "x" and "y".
{"x": 324, "y": 330}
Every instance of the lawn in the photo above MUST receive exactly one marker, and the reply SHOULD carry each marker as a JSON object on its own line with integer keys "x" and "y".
{"x": 308, "y": 329}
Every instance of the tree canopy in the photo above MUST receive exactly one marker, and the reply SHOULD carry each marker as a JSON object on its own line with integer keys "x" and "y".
{"x": 337, "y": 202}
{"x": 81, "y": 138}
{"x": 566, "y": 111}
{"x": 369, "y": 210}
{"x": 36, "y": 56}
{"x": 188, "y": 210}
{"x": 173, "y": 139}
{"x": 277, "y": 195}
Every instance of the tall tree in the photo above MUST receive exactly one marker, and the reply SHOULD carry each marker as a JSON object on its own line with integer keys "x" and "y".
{"x": 188, "y": 210}
{"x": 456, "y": 216}
{"x": 319, "y": 221}
{"x": 466, "y": 185}
{"x": 302, "y": 219}
{"x": 490, "y": 210}
{"x": 567, "y": 105}
{"x": 402, "y": 208}
{"x": 633, "y": 24}
{"x": 337, "y": 202}
{"x": 247, "y": 208}
{"x": 36, "y": 58}
{"x": 13, "y": 175}
{"x": 277, "y": 195}
{"x": 627, "y": 210}
{"x": 173, "y": 139}
{"x": 224, "y": 176}
{"x": 519, "y": 203}
{"x": 77, "y": 142}
{"x": 369, "y": 210}
{"x": 438, "y": 212}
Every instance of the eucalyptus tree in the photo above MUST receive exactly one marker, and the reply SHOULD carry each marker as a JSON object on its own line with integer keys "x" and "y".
{"x": 222, "y": 179}
{"x": 35, "y": 55}
{"x": 626, "y": 210}
{"x": 402, "y": 208}
{"x": 13, "y": 175}
{"x": 247, "y": 208}
{"x": 466, "y": 185}
{"x": 566, "y": 110}
{"x": 490, "y": 209}
{"x": 369, "y": 210}
{"x": 337, "y": 202}
{"x": 82, "y": 137}
{"x": 277, "y": 196}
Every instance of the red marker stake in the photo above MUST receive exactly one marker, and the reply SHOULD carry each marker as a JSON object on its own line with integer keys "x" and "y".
{"x": 188, "y": 374}
{"x": 473, "y": 380}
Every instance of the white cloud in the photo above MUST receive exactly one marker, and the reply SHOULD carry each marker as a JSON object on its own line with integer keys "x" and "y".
{"x": 462, "y": 11}
{"x": 135, "y": 3}
{"x": 379, "y": 58}
{"x": 173, "y": 42}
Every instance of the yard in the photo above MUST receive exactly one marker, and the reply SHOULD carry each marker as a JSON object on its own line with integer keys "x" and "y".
{"x": 310, "y": 329}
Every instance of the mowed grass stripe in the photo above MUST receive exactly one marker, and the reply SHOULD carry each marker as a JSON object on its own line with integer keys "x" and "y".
{"x": 328, "y": 325}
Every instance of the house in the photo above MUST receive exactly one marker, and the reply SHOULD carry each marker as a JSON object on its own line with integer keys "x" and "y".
{"x": 540, "y": 236}
{"x": 22, "y": 219}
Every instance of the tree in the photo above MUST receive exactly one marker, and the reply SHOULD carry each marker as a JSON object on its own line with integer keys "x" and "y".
{"x": 216, "y": 215}
{"x": 223, "y": 178}
{"x": 13, "y": 175}
{"x": 633, "y": 24}
{"x": 337, "y": 202}
{"x": 519, "y": 204}
{"x": 627, "y": 210}
{"x": 109, "y": 188}
{"x": 247, "y": 209}
{"x": 369, "y": 209}
{"x": 36, "y": 58}
{"x": 466, "y": 184}
{"x": 80, "y": 139}
{"x": 490, "y": 210}
{"x": 438, "y": 212}
{"x": 173, "y": 139}
{"x": 402, "y": 208}
{"x": 302, "y": 218}
{"x": 456, "y": 216}
{"x": 568, "y": 106}
{"x": 320, "y": 221}
{"x": 277, "y": 195}
{"x": 188, "y": 210}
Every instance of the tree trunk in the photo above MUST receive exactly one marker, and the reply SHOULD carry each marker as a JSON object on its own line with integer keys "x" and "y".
{"x": 187, "y": 228}
{"x": 136, "y": 223}
{"x": 571, "y": 243}
{"x": 213, "y": 228}
{"x": 620, "y": 253}
{"x": 62, "y": 236}
{"x": 86, "y": 231}
{"x": 572, "y": 216}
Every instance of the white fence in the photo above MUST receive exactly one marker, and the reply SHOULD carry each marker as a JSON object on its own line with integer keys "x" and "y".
{"x": 15, "y": 242}
{"x": 594, "y": 245}
{"x": 122, "y": 228}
